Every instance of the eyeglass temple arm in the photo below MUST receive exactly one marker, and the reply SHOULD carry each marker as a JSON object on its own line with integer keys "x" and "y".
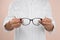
{"x": 41, "y": 19}
{"x": 21, "y": 20}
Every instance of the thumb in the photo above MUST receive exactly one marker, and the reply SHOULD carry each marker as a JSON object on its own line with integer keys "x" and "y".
{"x": 14, "y": 18}
{"x": 45, "y": 17}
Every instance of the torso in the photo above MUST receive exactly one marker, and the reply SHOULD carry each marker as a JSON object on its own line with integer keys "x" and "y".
{"x": 30, "y": 9}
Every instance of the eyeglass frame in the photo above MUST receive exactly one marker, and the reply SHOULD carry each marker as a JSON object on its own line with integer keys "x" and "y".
{"x": 30, "y": 21}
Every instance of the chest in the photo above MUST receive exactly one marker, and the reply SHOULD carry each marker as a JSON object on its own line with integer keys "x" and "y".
{"x": 30, "y": 8}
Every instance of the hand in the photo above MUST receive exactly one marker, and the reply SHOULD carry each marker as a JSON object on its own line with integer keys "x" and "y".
{"x": 46, "y": 21}
{"x": 16, "y": 22}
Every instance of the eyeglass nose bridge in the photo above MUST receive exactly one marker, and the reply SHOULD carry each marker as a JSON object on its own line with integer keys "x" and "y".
{"x": 33, "y": 22}
{"x": 31, "y": 19}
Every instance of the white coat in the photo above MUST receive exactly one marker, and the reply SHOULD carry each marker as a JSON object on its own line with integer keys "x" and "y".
{"x": 29, "y": 9}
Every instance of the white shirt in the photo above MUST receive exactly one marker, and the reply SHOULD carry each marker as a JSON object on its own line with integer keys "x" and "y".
{"x": 29, "y": 9}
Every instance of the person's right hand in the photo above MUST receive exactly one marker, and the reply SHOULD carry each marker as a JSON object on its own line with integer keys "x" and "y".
{"x": 16, "y": 22}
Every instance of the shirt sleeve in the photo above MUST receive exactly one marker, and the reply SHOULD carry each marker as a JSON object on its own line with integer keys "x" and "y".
{"x": 48, "y": 12}
{"x": 49, "y": 15}
{"x": 10, "y": 15}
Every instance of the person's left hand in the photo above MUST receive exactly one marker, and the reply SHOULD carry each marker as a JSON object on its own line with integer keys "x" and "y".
{"x": 46, "y": 21}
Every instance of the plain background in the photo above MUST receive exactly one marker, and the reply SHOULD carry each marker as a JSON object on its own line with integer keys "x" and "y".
{"x": 50, "y": 36}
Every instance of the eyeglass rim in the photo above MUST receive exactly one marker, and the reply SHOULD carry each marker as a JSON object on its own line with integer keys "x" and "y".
{"x": 31, "y": 20}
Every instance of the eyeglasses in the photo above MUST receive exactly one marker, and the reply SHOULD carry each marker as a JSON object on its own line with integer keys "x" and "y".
{"x": 27, "y": 21}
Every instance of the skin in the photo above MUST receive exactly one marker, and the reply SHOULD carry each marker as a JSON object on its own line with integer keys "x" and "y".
{"x": 16, "y": 22}
{"x": 47, "y": 23}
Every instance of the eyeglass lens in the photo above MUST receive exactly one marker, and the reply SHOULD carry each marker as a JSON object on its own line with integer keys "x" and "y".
{"x": 35, "y": 21}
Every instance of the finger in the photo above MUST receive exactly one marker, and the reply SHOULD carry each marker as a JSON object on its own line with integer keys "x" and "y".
{"x": 14, "y": 21}
{"x": 46, "y": 22}
{"x": 40, "y": 20}
{"x": 14, "y": 18}
{"x": 47, "y": 19}
{"x": 43, "y": 20}
{"x": 16, "y": 25}
{"x": 18, "y": 20}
